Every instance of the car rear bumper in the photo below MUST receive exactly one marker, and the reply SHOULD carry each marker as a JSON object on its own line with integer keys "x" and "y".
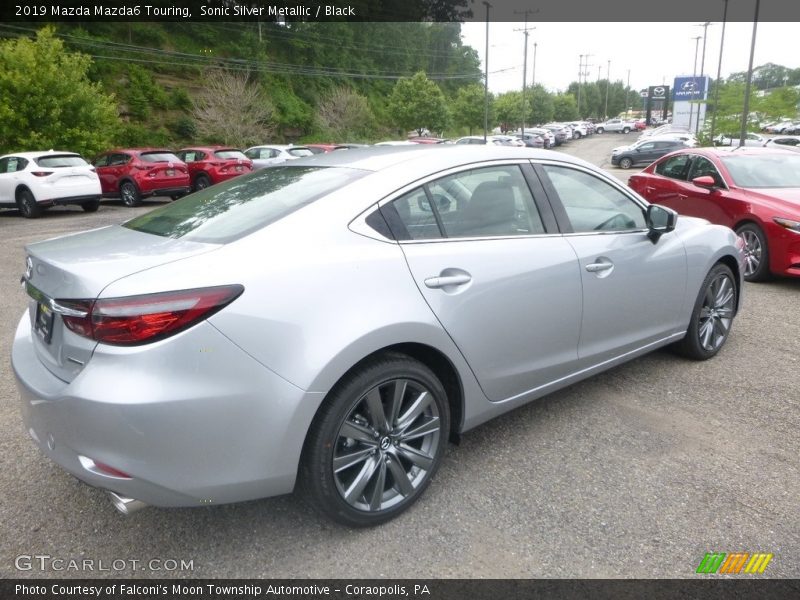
{"x": 192, "y": 419}
{"x": 83, "y": 199}
{"x": 180, "y": 190}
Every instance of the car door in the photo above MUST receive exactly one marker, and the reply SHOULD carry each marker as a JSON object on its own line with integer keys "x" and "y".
{"x": 665, "y": 184}
{"x": 645, "y": 153}
{"x": 500, "y": 279}
{"x": 7, "y": 183}
{"x": 633, "y": 289}
{"x": 712, "y": 204}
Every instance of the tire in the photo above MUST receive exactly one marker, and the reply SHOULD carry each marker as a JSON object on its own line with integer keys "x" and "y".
{"x": 712, "y": 316}
{"x": 577, "y": 135}
{"x": 201, "y": 183}
{"x": 129, "y": 194}
{"x": 626, "y": 130}
{"x": 27, "y": 205}
{"x": 599, "y": 130}
{"x": 379, "y": 474}
{"x": 626, "y": 163}
{"x": 91, "y": 206}
{"x": 756, "y": 251}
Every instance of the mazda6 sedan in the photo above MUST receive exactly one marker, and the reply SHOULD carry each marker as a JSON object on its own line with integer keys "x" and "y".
{"x": 329, "y": 324}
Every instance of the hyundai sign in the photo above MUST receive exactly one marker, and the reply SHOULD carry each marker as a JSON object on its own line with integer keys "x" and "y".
{"x": 687, "y": 89}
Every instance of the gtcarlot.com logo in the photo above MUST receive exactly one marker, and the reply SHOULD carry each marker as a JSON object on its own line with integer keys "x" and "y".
{"x": 46, "y": 562}
{"x": 734, "y": 563}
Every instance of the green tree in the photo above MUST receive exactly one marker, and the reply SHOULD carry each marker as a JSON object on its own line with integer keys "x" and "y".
{"x": 47, "y": 100}
{"x": 345, "y": 115}
{"x": 565, "y": 108}
{"x": 418, "y": 103}
{"x": 508, "y": 110}
{"x": 469, "y": 107}
{"x": 540, "y": 103}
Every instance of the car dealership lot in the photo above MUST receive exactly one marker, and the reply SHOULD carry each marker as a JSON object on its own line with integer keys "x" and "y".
{"x": 636, "y": 473}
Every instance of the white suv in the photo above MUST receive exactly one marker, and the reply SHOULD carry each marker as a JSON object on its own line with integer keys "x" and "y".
{"x": 33, "y": 181}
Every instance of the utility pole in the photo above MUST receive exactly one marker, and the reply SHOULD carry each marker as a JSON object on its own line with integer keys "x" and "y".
{"x": 486, "y": 77}
{"x": 694, "y": 77}
{"x": 525, "y": 62}
{"x": 719, "y": 71}
{"x": 627, "y": 91}
{"x": 702, "y": 70}
{"x": 581, "y": 75}
{"x": 746, "y": 110}
{"x": 608, "y": 84}
{"x": 533, "y": 79}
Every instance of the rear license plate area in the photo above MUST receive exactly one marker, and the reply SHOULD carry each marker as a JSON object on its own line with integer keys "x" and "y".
{"x": 43, "y": 324}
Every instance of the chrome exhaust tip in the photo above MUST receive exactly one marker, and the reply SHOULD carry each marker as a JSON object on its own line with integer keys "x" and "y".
{"x": 126, "y": 506}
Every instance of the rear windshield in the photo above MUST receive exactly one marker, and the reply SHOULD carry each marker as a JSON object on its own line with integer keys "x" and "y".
{"x": 237, "y": 207}
{"x": 766, "y": 171}
{"x": 154, "y": 157}
{"x": 300, "y": 152}
{"x": 230, "y": 154}
{"x": 60, "y": 160}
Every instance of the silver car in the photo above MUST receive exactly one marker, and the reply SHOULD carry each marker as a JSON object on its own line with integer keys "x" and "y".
{"x": 332, "y": 322}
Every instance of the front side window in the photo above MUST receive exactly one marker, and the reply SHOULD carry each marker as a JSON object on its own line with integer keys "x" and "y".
{"x": 485, "y": 202}
{"x": 230, "y": 210}
{"x": 675, "y": 167}
{"x": 701, "y": 167}
{"x": 594, "y": 205}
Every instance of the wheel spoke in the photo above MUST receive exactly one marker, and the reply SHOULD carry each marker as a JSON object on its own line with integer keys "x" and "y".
{"x": 356, "y": 489}
{"x": 724, "y": 293}
{"x": 400, "y": 477}
{"x": 416, "y": 457}
{"x": 376, "y": 498}
{"x": 426, "y": 428}
{"x": 400, "y": 387}
{"x": 720, "y": 331}
{"x": 706, "y": 331}
{"x": 340, "y": 463}
{"x": 357, "y": 431}
{"x": 377, "y": 415}
{"x": 415, "y": 410}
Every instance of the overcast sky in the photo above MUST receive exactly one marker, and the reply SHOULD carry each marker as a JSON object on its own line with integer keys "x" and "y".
{"x": 654, "y": 53}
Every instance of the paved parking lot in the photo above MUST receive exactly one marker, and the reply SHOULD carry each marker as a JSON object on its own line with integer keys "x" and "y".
{"x": 636, "y": 473}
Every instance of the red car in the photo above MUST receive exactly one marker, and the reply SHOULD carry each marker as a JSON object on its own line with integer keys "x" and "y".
{"x": 639, "y": 125}
{"x": 137, "y": 173}
{"x": 211, "y": 164}
{"x": 754, "y": 191}
{"x": 323, "y": 148}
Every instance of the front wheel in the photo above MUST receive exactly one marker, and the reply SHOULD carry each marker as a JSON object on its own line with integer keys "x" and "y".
{"x": 376, "y": 442}
{"x": 201, "y": 183}
{"x": 626, "y": 163}
{"x": 130, "y": 194}
{"x": 756, "y": 252}
{"x": 91, "y": 206}
{"x": 626, "y": 130}
{"x": 600, "y": 130}
{"x": 712, "y": 316}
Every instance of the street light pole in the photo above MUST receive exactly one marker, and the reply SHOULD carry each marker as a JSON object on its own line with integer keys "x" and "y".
{"x": 627, "y": 92}
{"x": 702, "y": 70}
{"x": 746, "y": 110}
{"x": 486, "y": 77}
{"x": 580, "y": 75}
{"x": 719, "y": 71}
{"x": 608, "y": 84}
{"x": 694, "y": 76}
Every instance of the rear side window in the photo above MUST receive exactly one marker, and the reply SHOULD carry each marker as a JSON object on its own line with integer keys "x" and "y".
{"x": 61, "y": 160}
{"x": 230, "y": 210}
{"x": 153, "y": 157}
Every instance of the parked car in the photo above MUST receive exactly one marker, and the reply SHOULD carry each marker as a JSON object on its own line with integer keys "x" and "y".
{"x": 547, "y": 137}
{"x": 135, "y": 173}
{"x": 783, "y": 126}
{"x": 34, "y": 181}
{"x": 266, "y": 156}
{"x": 427, "y": 140}
{"x": 157, "y": 362}
{"x": 508, "y": 140}
{"x": 784, "y": 142}
{"x": 616, "y": 126}
{"x": 496, "y": 140}
{"x": 213, "y": 164}
{"x": 661, "y": 130}
{"x": 559, "y": 132}
{"x": 751, "y": 139}
{"x": 754, "y": 191}
{"x": 531, "y": 140}
{"x": 323, "y": 148}
{"x": 643, "y": 152}
{"x": 578, "y": 130}
{"x": 639, "y": 125}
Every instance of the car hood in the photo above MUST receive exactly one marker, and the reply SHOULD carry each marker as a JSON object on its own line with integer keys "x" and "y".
{"x": 620, "y": 149}
{"x": 83, "y": 264}
{"x": 784, "y": 201}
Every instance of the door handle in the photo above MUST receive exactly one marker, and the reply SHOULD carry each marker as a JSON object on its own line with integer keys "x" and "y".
{"x": 682, "y": 196}
{"x": 447, "y": 280}
{"x": 598, "y": 267}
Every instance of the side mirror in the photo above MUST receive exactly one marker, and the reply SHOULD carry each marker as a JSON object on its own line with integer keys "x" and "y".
{"x": 660, "y": 220}
{"x": 705, "y": 181}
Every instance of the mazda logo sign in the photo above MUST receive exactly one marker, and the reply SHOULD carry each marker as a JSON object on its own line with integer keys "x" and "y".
{"x": 659, "y": 91}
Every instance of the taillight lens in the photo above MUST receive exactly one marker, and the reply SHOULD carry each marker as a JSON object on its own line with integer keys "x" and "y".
{"x": 147, "y": 318}
{"x": 41, "y": 173}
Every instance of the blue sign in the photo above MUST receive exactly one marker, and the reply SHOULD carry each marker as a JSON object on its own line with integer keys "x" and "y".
{"x": 687, "y": 89}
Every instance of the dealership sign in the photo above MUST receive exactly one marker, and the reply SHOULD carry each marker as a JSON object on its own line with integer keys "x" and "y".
{"x": 658, "y": 92}
{"x": 687, "y": 89}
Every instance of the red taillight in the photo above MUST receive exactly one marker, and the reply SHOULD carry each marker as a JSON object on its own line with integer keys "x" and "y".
{"x": 41, "y": 173}
{"x": 109, "y": 470}
{"x": 142, "y": 319}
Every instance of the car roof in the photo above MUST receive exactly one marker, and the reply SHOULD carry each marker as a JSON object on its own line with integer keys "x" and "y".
{"x": 137, "y": 150}
{"x": 431, "y": 157}
{"x": 209, "y": 148}
{"x": 720, "y": 151}
{"x": 41, "y": 153}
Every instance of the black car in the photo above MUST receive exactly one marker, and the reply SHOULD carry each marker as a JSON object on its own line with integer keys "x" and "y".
{"x": 643, "y": 152}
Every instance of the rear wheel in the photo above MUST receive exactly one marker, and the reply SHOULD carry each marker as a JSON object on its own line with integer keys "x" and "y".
{"x": 376, "y": 442}
{"x": 27, "y": 205}
{"x": 600, "y": 130}
{"x": 626, "y": 163}
{"x": 756, "y": 253}
{"x": 712, "y": 316}
{"x": 91, "y": 206}
{"x": 129, "y": 194}
{"x": 626, "y": 130}
{"x": 202, "y": 182}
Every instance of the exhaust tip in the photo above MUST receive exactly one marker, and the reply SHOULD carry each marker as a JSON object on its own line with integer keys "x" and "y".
{"x": 126, "y": 506}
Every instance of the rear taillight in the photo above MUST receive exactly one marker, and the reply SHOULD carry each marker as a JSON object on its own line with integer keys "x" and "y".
{"x": 143, "y": 319}
{"x": 41, "y": 173}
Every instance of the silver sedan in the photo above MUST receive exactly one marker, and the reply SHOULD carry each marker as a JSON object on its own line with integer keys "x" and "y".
{"x": 331, "y": 323}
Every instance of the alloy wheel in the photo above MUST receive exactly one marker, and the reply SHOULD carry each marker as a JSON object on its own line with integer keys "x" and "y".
{"x": 716, "y": 313}
{"x": 752, "y": 251}
{"x": 386, "y": 446}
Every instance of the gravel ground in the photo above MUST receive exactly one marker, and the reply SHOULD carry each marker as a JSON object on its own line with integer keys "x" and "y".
{"x": 637, "y": 472}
